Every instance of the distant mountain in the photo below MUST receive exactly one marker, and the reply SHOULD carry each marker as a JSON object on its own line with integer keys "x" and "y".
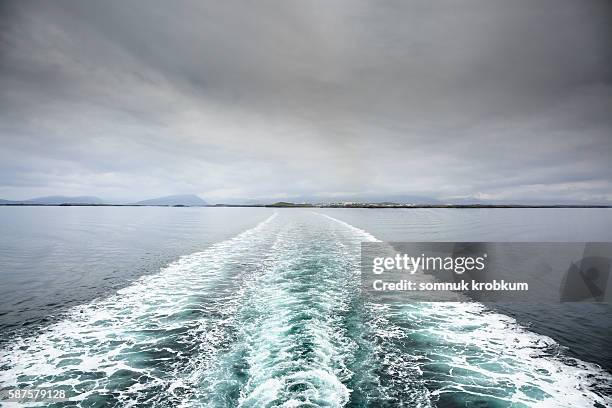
{"x": 56, "y": 200}
{"x": 361, "y": 198}
{"x": 185, "y": 199}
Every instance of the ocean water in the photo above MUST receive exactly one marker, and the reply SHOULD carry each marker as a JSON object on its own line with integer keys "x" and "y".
{"x": 259, "y": 308}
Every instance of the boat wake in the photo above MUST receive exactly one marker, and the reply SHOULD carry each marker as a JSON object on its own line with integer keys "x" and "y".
{"x": 275, "y": 317}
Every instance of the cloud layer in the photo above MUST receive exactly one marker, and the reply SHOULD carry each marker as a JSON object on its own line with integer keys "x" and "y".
{"x": 487, "y": 99}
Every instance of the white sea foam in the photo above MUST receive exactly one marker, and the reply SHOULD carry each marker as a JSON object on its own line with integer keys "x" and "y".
{"x": 501, "y": 354}
{"x": 294, "y": 346}
{"x": 155, "y": 330}
{"x": 494, "y": 349}
{"x": 366, "y": 236}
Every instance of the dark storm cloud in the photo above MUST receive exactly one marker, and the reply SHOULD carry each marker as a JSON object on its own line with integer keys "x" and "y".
{"x": 481, "y": 99}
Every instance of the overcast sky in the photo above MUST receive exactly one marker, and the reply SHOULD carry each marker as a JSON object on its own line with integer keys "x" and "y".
{"x": 475, "y": 99}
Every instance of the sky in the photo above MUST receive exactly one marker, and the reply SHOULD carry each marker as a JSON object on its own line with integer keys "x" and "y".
{"x": 478, "y": 100}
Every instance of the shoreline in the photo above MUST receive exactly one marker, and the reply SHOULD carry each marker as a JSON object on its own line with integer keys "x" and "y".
{"x": 307, "y": 205}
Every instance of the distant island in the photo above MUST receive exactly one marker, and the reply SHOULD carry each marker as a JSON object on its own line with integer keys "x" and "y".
{"x": 192, "y": 200}
{"x": 55, "y": 200}
{"x": 182, "y": 200}
{"x": 187, "y": 200}
{"x": 283, "y": 204}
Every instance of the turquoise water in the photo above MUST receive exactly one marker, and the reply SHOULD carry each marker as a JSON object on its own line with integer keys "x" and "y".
{"x": 273, "y": 317}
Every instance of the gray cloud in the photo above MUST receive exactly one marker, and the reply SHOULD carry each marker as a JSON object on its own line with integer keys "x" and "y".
{"x": 487, "y": 99}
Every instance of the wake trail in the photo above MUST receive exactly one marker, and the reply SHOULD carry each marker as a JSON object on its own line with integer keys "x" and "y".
{"x": 295, "y": 346}
{"x": 456, "y": 352}
{"x": 275, "y": 317}
{"x": 148, "y": 341}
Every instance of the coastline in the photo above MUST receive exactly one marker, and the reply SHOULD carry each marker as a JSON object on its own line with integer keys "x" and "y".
{"x": 309, "y": 205}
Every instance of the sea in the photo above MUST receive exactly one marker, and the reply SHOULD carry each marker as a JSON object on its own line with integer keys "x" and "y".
{"x": 262, "y": 307}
